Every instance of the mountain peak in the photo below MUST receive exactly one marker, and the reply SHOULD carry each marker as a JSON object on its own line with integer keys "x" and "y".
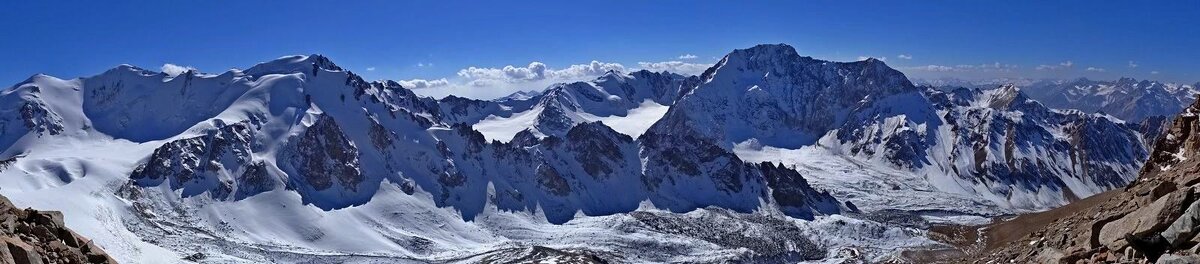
{"x": 764, "y": 53}
{"x": 1081, "y": 80}
{"x": 768, "y": 49}
{"x": 1126, "y": 80}
{"x": 1005, "y": 96}
{"x": 611, "y": 75}
{"x": 293, "y": 63}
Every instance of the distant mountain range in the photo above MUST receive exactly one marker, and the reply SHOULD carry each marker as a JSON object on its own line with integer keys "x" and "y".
{"x": 1126, "y": 98}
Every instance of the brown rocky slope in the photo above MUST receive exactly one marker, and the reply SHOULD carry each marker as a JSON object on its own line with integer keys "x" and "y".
{"x": 1153, "y": 220}
{"x": 29, "y": 236}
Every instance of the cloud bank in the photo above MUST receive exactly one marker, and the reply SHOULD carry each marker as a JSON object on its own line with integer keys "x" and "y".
{"x": 175, "y": 70}
{"x": 492, "y": 82}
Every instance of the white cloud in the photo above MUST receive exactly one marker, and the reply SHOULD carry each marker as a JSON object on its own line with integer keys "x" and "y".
{"x": 1094, "y": 69}
{"x": 1153, "y": 72}
{"x": 862, "y": 58}
{"x": 687, "y": 56}
{"x": 986, "y": 67}
{"x": 904, "y": 56}
{"x": 535, "y": 71}
{"x": 370, "y": 68}
{"x": 1060, "y": 66}
{"x": 493, "y": 82}
{"x": 422, "y": 83}
{"x": 1132, "y": 64}
{"x": 175, "y": 70}
{"x": 933, "y": 68}
{"x": 578, "y": 71}
{"x": 423, "y": 64}
{"x": 675, "y": 67}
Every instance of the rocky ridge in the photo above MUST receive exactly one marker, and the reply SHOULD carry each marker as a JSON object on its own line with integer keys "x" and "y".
{"x": 30, "y": 236}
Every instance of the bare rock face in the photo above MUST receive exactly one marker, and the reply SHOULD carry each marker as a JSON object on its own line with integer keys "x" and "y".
{"x": 34, "y": 237}
{"x": 793, "y": 194}
{"x": 324, "y": 155}
{"x": 595, "y": 148}
{"x": 195, "y": 164}
{"x": 39, "y": 118}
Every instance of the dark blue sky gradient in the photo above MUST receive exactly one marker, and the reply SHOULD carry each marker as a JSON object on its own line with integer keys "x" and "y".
{"x": 80, "y": 38}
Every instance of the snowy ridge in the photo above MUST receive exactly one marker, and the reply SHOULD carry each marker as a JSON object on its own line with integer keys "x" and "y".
{"x": 298, "y": 139}
{"x": 1125, "y": 98}
{"x": 626, "y": 102}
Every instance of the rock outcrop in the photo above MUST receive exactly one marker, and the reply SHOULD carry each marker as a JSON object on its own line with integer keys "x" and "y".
{"x": 29, "y": 236}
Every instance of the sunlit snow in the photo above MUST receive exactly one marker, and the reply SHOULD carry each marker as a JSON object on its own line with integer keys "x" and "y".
{"x": 634, "y": 124}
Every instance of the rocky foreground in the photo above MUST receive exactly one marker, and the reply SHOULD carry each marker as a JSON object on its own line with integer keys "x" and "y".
{"x": 1153, "y": 220}
{"x": 30, "y": 236}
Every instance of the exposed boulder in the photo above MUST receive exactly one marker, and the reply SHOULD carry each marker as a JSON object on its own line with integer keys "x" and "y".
{"x": 1185, "y": 227}
{"x": 1177, "y": 259}
{"x": 1145, "y": 221}
{"x": 34, "y": 237}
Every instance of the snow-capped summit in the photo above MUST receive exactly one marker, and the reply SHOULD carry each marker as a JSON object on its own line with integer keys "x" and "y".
{"x": 293, "y": 63}
{"x": 627, "y": 102}
{"x": 521, "y": 95}
{"x": 778, "y": 97}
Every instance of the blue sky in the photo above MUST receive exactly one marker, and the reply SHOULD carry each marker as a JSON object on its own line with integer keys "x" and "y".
{"x": 434, "y": 40}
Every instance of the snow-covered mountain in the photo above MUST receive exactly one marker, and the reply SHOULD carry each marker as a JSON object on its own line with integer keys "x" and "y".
{"x": 996, "y": 144}
{"x": 1125, "y": 98}
{"x": 628, "y": 103}
{"x": 297, "y": 158}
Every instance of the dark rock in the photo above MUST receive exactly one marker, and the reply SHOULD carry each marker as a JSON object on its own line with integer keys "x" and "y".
{"x": 323, "y": 154}
{"x": 22, "y": 253}
{"x": 31, "y": 236}
{"x": 52, "y": 219}
{"x": 197, "y": 257}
